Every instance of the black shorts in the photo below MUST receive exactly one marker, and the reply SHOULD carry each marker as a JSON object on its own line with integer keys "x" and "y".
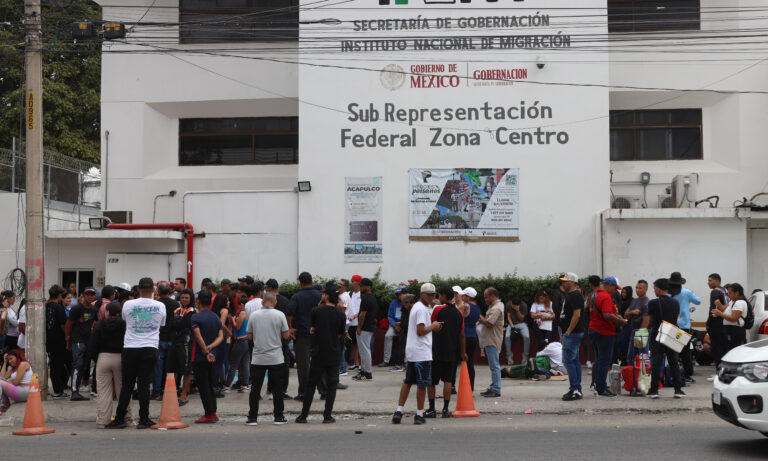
{"x": 418, "y": 373}
{"x": 353, "y": 333}
{"x": 443, "y": 371}
{"x": 178, "y": 359}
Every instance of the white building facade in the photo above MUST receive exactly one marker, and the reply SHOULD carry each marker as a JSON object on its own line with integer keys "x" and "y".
{"x": 595, "y": 107}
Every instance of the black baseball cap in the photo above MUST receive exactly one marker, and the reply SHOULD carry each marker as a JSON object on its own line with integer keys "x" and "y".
{"x": 331, "y": 287}
{"x": 146, "y": 283}
{"x": 89, "y": 290}
{"x": 272, "y": 283}
{"x": 247, "y": 279}
{"x": 366, "y": 282}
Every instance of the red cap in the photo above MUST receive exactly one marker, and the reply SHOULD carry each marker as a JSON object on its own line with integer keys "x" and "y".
{"x": 357, "y": 278}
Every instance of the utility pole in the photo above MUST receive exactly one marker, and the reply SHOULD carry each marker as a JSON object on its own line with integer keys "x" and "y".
{"x": 35, "y": 326}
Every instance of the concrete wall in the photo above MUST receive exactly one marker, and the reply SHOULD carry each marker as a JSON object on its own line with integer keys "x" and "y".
{"x": 654, "y": 248}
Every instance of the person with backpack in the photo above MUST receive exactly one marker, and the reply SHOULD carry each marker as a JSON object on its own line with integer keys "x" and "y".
{"x": 735, "y": 317}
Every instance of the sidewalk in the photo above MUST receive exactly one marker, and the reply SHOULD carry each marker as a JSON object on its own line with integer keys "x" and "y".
{"x": 379, "y": 398}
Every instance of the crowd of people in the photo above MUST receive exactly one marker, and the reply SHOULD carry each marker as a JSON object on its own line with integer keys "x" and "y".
{"x": 121, "y": 342}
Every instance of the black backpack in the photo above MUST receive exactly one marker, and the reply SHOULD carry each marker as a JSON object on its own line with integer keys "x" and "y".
{"x": 749, "y": 320}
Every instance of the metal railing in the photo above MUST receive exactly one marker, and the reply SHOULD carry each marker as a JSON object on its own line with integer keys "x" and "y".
{"x": 66, "y": 179}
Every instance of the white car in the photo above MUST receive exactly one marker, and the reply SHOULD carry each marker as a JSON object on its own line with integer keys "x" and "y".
{"x": 760, "y": 329}
{"x": 740, "y": 394}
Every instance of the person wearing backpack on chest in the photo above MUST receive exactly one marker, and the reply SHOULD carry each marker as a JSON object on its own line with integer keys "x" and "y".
{"x": 737, "y": 316}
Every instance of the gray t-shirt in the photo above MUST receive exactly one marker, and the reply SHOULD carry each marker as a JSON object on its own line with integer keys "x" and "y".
{"x": 266, "y": 326}
{"x": 642, "y": 304}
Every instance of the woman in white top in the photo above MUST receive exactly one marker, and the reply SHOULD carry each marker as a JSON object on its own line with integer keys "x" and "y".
{"x": 542, "y": 315}
{"x": 11, "y": 320}
{"x": 733, "y": 316}
{"x": 15, "y": 376}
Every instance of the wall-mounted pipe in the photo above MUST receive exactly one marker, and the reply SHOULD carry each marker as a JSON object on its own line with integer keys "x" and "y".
{"x": 188, "y": 230}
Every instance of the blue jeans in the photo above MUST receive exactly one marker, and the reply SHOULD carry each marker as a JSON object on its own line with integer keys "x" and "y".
{"x": 603, "y": 352}
{"x": 492, "y": 353}
{"x": 571, "y": 347}
{"x": 343, "y": 363}
{"x": 158, "y": 378}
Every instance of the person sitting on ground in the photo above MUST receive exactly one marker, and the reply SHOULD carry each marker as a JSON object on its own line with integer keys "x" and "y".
{"x": 554, "y": 351}
{"x": 15, "y": 376}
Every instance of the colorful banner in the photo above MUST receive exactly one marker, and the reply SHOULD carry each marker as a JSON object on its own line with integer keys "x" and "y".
{"x": 363, "y": 225}
{"x": 464, "y": 204}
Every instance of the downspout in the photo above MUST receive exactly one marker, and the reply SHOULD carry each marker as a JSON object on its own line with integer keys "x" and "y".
{"x": 106, "y": 169}
{"x": 188, "y": 230}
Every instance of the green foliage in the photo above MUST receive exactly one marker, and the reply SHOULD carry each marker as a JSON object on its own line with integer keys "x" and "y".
{"x": 509, "y": 286}
{"x": 71, "y": 79}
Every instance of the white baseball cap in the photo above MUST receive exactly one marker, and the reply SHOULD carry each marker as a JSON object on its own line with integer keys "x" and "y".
{"x": 469, "y": 291}
{"x": 125, "y": 286}
{"x": 428, "y": 288}
{"x": 457, "y": 289}
{"x": 569, "y": 277}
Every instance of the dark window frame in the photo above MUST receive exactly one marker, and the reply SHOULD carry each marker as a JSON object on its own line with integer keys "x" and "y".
{"x": 636, "y": 126}
{"x": 640, "y": 25}
{"x": 253, "y": 133}
{"x": 192, "y": 31}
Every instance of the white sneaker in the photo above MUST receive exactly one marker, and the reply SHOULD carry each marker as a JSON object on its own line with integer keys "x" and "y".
{"x": 711, "y": 378}
{"x": 344, "y": 374}
{"x": 589, "y": 364}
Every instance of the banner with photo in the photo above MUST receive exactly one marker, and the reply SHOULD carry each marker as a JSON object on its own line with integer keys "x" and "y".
{"x": 363, "y": 225}
{"x": 464, "y": 204}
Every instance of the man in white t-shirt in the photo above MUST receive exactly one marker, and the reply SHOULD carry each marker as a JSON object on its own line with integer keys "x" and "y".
{"x": 255, "y": 304}
{"x": 344, "y": 300}
{"x": 353, "y": 310}
{"x": 143, "y": 319}
{"x": 554, "y": 351}
{"x": 418, "y": 354}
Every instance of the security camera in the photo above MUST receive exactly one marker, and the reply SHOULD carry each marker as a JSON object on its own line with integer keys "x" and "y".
{"x": 540, "y": 62}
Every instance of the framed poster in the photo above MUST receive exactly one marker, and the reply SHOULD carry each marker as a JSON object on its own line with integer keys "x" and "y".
{"x": 363, "y": 223}
{"x": 479, "y": 204}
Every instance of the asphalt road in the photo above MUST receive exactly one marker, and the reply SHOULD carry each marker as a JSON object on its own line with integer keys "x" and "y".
{"x": 625, "y": 437}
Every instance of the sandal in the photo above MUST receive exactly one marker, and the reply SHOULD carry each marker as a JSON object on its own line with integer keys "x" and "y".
{"x": 183, "y": 402}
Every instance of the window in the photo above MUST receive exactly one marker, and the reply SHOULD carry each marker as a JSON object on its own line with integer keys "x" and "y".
{"x": 239, "y": 141}
{"x": 215, "y": 21}
{"x": 656, "y": 135}
{"x": 653, "y": 15}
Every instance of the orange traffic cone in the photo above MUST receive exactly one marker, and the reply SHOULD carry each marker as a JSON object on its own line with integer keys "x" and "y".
{"x": 34, "y": 420}
{"x": 170, "y": 415}
{"x": 465, "y": 405}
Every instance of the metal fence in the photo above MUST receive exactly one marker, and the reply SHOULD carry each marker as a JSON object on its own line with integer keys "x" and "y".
{"x": 65, "y": 179}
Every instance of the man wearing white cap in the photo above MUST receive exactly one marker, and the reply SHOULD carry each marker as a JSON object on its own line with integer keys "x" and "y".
{"x": 572, "y": 325}
{"x": 418, "y": 354}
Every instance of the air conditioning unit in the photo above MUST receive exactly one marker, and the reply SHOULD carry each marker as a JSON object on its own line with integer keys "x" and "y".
{"x": 665, "y": 201}
{"x": 626, "y": 201}
{"x": 119, "y": 217}
{"x": 683, "y": 191}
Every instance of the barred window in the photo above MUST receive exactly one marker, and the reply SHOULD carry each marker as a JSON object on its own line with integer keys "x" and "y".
{"x": 656, "y": 135}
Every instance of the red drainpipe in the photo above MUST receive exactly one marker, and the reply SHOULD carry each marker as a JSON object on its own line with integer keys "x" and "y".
{"x": 188, "y": 230}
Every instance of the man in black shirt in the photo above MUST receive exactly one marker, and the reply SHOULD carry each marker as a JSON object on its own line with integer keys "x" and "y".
{"x": 55, "y": 342}
{"x": 328, "y": 329}
{"x": 448, "y": 348}
{"x": 663, "y": 309}
{"x": 572, "y": 326}
{"x": 300, "y": 321}
{"x": 366, "y": 326}
{"x": 78, "y": 329}
{"x": 715, "y": 324}
{"x": 167, "y": 335}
